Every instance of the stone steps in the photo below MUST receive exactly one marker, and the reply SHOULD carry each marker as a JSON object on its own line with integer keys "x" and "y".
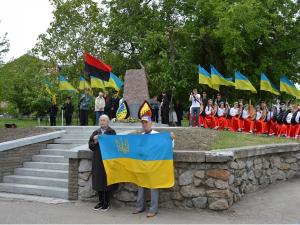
{"x": 46, "y": 191}
{"x": 47, "y": 166}
{"x": 42, "y": 173}
{"x": 50, "y": 158}
{"x": 33, "y": 180}
{"x": 80, "y": 140}
{"x": 61, "y": 146}
{"x": 56, "y": 152}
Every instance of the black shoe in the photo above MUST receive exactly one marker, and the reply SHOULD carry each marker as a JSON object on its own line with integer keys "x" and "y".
{"x": 105, "y": 207}
{"x": 98, "y": 206}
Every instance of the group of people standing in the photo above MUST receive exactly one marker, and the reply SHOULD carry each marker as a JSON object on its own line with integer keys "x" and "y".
{"x": 280, "y": 119}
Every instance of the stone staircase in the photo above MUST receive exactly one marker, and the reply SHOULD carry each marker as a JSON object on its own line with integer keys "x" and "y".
{"x": 47, "y": 174}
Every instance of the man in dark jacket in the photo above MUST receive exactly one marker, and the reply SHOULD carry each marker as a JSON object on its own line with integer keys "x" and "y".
{"x": 108, "y": 104}
{"x": 53, "y": 113}
{"x": 99, "y": 181}
{"x": 68, "y": 108}
{"x": 115, "y": 105}
{"x": 165, "y": 108}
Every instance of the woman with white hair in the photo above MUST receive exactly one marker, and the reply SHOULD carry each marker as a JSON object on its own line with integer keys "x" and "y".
{"x": 99, "y": 181}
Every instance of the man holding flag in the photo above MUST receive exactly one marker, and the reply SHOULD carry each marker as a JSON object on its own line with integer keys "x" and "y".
{"x": 141, "y": 202}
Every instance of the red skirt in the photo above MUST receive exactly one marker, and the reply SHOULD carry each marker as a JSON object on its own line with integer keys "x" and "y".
{"x": 282, "y": 130}
{"x": 297, "y": 131}
{"x": 260, "y": 127}
{"x": 248, "y": 125}
{"x": 292, "y": 130}
{"x": 229, "y": 123}
{"x": 222, "y": 122}
{"x": 272, "y": 127}
{"x": 201, "y": 120}
{"x": 208, "y": 121}
{"x": 236, "y": 124}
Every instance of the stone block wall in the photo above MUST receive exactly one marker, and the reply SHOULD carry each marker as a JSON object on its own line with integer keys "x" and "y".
{"x": 213, "y": 180}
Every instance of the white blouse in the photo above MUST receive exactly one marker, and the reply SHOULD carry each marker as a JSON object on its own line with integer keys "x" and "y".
{"x": 233, "y": 111}
{"x": 221, "y": 112}
{"x": 208, "y": 110}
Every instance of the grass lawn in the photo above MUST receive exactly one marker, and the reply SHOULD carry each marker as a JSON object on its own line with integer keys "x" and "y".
{"x": 20, "y": 122}
{"x": 226, "y": 139}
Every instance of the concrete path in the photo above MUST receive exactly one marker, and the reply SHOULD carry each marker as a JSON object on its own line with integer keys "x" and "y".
{"x": 278, "y": 204}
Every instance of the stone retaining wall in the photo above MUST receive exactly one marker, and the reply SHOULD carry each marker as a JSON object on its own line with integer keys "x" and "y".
{"x": 213, "y": 180}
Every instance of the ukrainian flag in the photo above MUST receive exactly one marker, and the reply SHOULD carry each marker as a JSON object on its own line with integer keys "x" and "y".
{"x": 143, "y": 159}
{"x": 217, "y": 78}
{"x": 97, "y": 83}
{"x": 266, "y": 85}
{"x": 204, "y": 76}
{"x": 242, "y": 83}
{"x": 114, "y": 82}
{"x": 64, "y": 85}
{"x": 83, "y": 84}
{"x": 288, "y": 87}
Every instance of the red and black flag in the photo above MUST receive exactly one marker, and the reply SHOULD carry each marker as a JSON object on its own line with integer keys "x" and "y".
{"x": 97, "y": 68}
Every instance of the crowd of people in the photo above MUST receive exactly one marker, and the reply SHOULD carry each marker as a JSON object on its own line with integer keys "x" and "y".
{"x": 279, "y": 119}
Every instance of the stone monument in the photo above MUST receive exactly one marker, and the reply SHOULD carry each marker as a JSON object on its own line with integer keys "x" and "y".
{"x": 135, "y": 90}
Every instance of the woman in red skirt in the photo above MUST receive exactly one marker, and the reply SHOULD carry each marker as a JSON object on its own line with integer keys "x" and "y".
{"x": 235, "y": 120}
{"x": 208, "y": 120}
{"x": 221, "y": 114}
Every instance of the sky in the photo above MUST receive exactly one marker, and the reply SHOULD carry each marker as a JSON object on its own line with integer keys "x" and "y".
{"x": 24, "y": 21}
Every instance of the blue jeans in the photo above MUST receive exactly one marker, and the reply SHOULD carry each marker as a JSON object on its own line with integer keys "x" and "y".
{"x": 193, "y": 111}
{"x": 98, "y": 114}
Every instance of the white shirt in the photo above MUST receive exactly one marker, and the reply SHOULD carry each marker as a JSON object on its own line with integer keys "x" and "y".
{"x": 99, "y": 104}
{"x": 289, "y": 118}
{"x": 270, "y": 115}
{"x": 221, "y": 112}
{"x": 245, "y": 114}
{"x": 233, "y": 111}
{"x": 195, "y": 103}
{"x": 155, "y": 132}
{"x": 258, "y": 115}
{"x": 297, "y": 117}
{"x": 208, "y": 110}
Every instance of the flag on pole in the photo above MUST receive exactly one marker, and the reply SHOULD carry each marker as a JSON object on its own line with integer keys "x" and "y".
{"x": 143, "y": 159}
{"x": 266, "y": 85}
{"x": 97, "y": 83}
{"x": 83, "y": 84}
{"x": 289, "y": 87}
{"x": 204, "y": 76}
{"x": 217, "y": 79}
{"x": 114, "y": 82}
{"x": 64, "y": 85}
{"x": 242, "y": 83}
{"x": 97, "y": 68}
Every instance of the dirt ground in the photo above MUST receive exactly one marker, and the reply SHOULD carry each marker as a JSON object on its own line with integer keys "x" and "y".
{"x": 8, "y": 134}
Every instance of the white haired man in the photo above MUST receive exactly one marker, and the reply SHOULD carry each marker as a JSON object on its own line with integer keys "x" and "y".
{"x": 99, "y": 181}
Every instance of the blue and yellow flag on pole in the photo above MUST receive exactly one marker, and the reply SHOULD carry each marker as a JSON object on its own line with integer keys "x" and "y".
{"x": 242, "y": 83}
{"x": 114, "y": 82}
{"x": 143, "y": 159}
{"x": 266, "y": 85}
{"x": 97, "y": 83}
{"x": 289, "y": 87}
{"x": 64, "y": 85}
{"x": 217, "y": 79}
{"x": 83, "y": 84}
{"x": 204, "y": 76}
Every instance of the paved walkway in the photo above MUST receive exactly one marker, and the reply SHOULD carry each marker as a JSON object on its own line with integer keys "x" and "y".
{"x": 278, "y": 204}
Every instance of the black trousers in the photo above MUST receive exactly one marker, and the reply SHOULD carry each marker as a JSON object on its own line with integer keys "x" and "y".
{"x": 52, "y": 120}
{"x": 104, "y": 197}
{"x": 155, "y": 116}
{"x": 69, "y": 120}
{"x": 84, "y": 117}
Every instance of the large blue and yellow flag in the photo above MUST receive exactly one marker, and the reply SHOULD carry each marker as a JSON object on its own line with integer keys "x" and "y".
{"x": 143, "y": 159}
{"x": 288, "y": 87}
{"x": 64, "y": 85}
{"x": 242, "y": 83}
{"x": 266, "y": 85}
{"x": 114, "y": 82}
{"x": 217, "y": 79}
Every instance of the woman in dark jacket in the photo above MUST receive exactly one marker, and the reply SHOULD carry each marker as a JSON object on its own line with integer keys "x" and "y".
{"x": 98, "y": 172}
